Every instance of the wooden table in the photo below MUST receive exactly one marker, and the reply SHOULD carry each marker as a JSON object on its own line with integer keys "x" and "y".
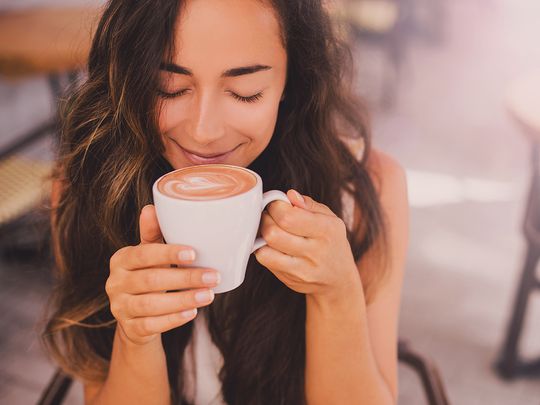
{"x": 45, "y": 40}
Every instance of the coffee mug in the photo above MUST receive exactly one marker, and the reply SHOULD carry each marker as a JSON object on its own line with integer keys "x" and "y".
{"x": 215, "y": 209}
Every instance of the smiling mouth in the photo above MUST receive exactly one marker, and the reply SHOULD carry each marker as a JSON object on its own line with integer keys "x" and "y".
{"x": 209, "y": 156}
{"x": 203, "y": 155}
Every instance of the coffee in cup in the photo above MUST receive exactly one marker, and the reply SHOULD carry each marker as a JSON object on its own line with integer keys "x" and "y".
{"x": 216, "y": 209}
{"x": 207, "y": 182}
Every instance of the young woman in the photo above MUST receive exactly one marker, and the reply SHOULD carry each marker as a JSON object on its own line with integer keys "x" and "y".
{"x": 263, "y": 84}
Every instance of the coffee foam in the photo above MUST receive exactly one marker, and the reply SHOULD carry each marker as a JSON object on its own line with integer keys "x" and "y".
{"x": 206, "y": 183}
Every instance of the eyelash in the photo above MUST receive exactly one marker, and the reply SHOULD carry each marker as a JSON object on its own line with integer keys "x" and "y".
{"x": 250, "y": 99}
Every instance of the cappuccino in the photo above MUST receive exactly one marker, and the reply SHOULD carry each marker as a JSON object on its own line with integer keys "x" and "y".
{"x": 207, "y": 182}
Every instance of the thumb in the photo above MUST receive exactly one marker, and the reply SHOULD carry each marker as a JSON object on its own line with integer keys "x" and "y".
{"x": 149, "y": 226}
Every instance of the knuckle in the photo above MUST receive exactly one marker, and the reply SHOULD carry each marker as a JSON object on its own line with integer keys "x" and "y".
{"x": 306, "y": 275}
{"x": 135, "y": 306}
{"x": 284, "y": 220}
{"x": 339, "y": 225}
{"x": 146, "y": 304}
{"x": 145, "y": 326}
{"x": 270, "y": 233}
{"x": 115, "y": 259}
{"x": 151, "y": 280}
{"x": 110, "y": 286}
{"x": 324, "y": 232}
{"x": 137, "y": 253}
{"x": 338, "y": 222}
{"x": 114, "y": 307}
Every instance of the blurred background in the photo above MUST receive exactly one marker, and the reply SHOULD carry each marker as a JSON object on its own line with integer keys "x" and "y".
{"x": 454, "y": 92}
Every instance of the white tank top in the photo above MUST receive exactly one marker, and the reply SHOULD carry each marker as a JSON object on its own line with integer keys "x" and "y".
{"x": 201, "y": 365}
{"x": 203, "y": 360}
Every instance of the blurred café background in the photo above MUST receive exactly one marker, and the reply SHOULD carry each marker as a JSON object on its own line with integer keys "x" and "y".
{"x": 454, "y": 92}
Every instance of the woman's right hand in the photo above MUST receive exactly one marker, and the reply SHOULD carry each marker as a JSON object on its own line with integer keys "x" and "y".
{"x": 140, "y": 276}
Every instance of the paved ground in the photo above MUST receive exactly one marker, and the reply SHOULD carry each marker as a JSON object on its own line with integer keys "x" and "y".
{"x": 467, "y": 171}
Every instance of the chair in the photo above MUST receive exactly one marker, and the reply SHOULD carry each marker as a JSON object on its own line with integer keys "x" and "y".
{"x": 56, "y": 390}
{"x": 60, "y": 383}
{"x": 428, "y": 373}
{"x": 523, "y": 102}
{"x": 52, "y": 42}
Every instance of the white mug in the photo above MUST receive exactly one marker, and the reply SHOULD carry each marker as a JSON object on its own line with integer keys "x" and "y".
{"x": 221, "y": 231}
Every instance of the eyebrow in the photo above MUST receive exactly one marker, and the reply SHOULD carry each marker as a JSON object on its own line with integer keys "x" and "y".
{"x": 234, "y": 72}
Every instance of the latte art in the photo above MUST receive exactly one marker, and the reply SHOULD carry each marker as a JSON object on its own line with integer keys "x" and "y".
{"x": 206, "y": 182}
{"x": 203, "y": 185}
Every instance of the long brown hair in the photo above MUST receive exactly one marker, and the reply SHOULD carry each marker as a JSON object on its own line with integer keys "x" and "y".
{"x": 111, "y": 152}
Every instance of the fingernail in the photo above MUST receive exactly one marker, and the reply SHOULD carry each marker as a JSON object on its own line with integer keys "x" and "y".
{"x": 186, "y": 255}
{"x": 204, "y": 296}
{"x": 211, "y": 278}
{"x": 299, "y": 196}
{"x": 189, "y": 313}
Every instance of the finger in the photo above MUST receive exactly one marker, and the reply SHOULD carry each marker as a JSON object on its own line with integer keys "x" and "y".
{"x": 155, "y": 304}
{"x": 281, "y": 240}
{"x": 149, "y": 226}
{"x": 298, "y": 221}
{"x": 152, "y": 280}
{"x": 308, "y": 203}
{"x": 275, "y": 260}
{"x": 151, "y": 255}
{"x": 148, "y": 326}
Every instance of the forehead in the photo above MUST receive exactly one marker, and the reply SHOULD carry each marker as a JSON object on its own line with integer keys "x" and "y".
{"x": 217, "y": 34}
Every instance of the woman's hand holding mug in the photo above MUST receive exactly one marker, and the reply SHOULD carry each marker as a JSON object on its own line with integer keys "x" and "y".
{"x": 140, "y": 277}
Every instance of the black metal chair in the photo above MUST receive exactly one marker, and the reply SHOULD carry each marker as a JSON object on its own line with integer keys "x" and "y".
{"x": 434, "y": 389}
{"x": 428, "y": 373}
{"x": 56, "y": 390}
{"x": 524, "y": 104}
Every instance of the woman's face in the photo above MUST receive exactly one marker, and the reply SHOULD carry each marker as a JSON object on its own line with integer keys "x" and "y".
{"x": 222, "y": 91}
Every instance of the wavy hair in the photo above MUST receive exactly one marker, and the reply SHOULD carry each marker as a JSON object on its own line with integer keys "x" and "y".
{"x": 111, "y": 153}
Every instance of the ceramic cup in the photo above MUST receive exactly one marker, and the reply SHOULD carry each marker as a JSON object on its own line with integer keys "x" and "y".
{"x": 222, "y": 231}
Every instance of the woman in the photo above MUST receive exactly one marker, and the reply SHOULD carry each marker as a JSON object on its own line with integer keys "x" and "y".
{"x": 170, "y": 82}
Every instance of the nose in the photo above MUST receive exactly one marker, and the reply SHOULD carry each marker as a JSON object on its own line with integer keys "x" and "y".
{"x": 206, "y": 124}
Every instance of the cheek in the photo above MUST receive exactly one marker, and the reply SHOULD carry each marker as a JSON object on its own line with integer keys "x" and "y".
{"x": 169, "y": 116}
{"x": 254, "y": 121}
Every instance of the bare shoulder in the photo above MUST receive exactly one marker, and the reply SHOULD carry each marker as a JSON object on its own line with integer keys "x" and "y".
{"x": 388, "y": 176}
{"x": 390, "y": 181}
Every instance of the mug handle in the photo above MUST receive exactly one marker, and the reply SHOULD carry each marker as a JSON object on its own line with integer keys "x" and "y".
{"x": 268, "y": 197}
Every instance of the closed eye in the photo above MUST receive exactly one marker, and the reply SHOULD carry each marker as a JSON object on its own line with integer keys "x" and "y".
{"x": 178, "y": 93}
{"x": 248, "y": 99}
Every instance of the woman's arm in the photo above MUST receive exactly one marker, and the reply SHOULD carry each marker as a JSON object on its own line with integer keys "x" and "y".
{"x": 137, "y": 375}
{"x": 352, "y": 349}
{"x": 138, "y": 371}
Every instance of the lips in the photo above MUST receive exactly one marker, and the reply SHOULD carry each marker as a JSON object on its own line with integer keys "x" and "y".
{"x": 196, "y": 158}
{"x": 206, "y": 156}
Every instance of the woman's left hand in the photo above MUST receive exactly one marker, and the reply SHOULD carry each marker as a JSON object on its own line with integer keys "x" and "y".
{"x": 307, "y": 248}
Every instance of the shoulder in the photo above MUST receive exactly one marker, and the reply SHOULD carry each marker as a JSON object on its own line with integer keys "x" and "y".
{"x": 388, "y": 176}
{"x": 390, "y": 182}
